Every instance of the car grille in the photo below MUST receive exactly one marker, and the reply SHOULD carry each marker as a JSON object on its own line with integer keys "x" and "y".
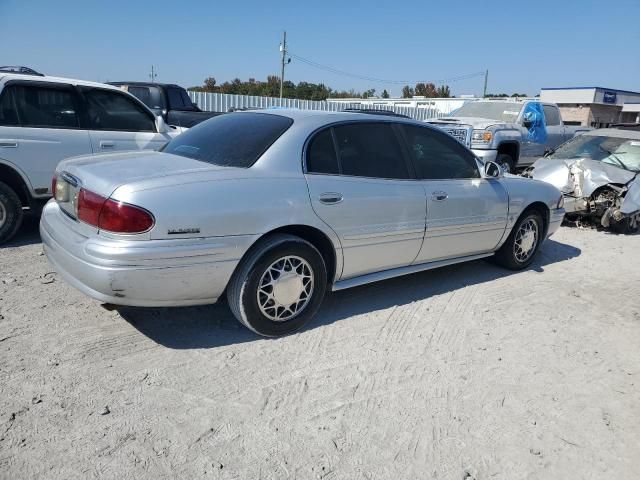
{"x": 460, "y": 134}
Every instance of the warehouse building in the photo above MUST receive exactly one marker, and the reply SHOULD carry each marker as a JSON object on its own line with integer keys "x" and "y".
{"x": 594, "y": 106}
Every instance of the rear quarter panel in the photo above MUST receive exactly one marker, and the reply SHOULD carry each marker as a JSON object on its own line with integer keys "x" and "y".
{"x": 252, "y": 205}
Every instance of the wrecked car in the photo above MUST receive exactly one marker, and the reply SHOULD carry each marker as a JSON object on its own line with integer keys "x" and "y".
{"x": 598, "y": 174}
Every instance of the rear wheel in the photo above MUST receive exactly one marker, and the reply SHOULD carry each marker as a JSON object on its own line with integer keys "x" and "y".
{"x": 10, "y": 213}
{"x": 520, "y": 248}
{"x": 506, "y": 162}
{"x": 279, "y": 286}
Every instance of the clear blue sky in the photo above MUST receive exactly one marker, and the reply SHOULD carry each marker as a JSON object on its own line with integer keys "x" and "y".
{"x": 525, "y": 45}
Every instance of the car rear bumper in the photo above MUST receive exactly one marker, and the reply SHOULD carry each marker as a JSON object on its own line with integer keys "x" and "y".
{"x": 144, "y": 273}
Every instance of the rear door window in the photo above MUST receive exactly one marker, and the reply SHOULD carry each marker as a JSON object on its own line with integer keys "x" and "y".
{"x": 370, "y": 150}
{"x": 8, "y": 113}
{"x": 321, "y": 154}
{"x": 113, "y": 110}
{"x": 150, "y": 96}
{"x": 232, "y": 139}
{"x": 43, "y": 106}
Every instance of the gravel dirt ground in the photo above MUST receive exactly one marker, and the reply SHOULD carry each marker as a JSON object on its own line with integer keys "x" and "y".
{"x": 467, "y": 372}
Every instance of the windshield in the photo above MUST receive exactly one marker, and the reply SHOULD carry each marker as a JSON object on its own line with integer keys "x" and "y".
{"x": 150, "y": 96}
{"x": 503, "y": 111}
{"x": 232, "y": 139}
{"x": 621, "y": 152}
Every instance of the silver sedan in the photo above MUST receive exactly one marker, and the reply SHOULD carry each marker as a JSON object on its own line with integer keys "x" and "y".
{"x": 272, "y": 208}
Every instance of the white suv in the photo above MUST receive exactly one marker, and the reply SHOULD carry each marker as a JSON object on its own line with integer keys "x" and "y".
{"x": 44, "y": 120}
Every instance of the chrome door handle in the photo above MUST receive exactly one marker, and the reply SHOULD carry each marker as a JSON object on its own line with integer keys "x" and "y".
{"x": 439, "y": 196}
{"x": 105, "y": 144}
{"x": 9, "y": 143}
{"x": 331, "y": 198}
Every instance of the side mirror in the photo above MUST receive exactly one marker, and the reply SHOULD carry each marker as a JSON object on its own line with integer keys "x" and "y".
{"x": 160, "y": 125}
{"x": 527, "y": 124}
{"x": 493, "y": 170}
{"x": 195, "y": 104}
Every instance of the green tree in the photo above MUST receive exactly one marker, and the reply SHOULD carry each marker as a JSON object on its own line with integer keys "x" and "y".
{"x": 369, "y": 93}
{"x": 443, "y": 91}
{"x": 407, "y": 92}
{"x": 385, "y": 94}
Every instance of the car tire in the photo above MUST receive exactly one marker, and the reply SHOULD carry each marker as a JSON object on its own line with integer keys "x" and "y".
{"x": 256, "y": 299}
{"x": 10, "y": 213}
{"x": 506, "y": 162}
{"x": 626, "y": 226}
{"x": 520, "y": 248}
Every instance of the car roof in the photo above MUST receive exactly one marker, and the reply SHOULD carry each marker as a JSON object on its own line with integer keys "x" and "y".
{"x": 4, "y": 77}
{"x": 329, "y": 116}
{"x": 145, "y": 84}
{"x": 615, "y": 133}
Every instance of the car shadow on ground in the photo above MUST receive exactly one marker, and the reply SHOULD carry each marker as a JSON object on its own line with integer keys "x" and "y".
{"x": 28, "y": 234}
{"x": 213, "y": 325}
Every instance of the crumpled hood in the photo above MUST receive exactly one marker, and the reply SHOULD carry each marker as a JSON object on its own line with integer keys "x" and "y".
{"x": 476, "y": 122}
{"x": 580, "y": 176}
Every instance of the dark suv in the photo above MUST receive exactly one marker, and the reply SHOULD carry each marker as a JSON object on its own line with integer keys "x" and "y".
{"x": 169, "y": 100}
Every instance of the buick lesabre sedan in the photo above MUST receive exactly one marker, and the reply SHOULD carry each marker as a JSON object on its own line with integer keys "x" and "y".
{"x": 272, "y": 208}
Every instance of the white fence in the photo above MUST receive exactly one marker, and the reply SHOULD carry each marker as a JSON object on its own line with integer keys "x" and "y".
{"x": 222, "y": 102}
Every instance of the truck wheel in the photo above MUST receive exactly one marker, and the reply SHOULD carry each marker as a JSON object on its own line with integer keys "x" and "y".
{"x": 10, "y": 213}
{"x": 279, "y": 285}
{"x": 506, "y": 162}
{"x": 520, "y": 248}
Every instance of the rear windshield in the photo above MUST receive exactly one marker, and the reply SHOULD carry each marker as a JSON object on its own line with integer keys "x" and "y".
{"x": 232, "y": 139}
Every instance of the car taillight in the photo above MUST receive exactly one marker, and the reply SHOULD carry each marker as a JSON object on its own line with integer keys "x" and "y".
{"x": 124, "y": 218}
{"x": 111, "y": 215}
{"x": 88, "y": 206}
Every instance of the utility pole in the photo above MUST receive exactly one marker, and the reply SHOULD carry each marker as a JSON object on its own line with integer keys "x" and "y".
{"x": 153, "y": 75}
{"x": 486, "y": 79}
{"x": 283, "y": 49}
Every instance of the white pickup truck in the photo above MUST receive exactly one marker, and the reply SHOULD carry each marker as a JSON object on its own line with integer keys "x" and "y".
{"x": 500, "y": 131}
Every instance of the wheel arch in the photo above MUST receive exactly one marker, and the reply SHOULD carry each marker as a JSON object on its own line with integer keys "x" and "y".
{"x": 511, "y": 148}
{"x": 318, "y": 239}
{"x": 15, "y": 179}
{"x": 543, "y": 210}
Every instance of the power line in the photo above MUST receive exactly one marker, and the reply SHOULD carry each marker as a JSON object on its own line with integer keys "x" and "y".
{"x": 380, "y": 80}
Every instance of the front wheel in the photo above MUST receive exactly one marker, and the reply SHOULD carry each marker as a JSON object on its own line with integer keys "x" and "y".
{"x": 279, "y": 286}
{"x": 627, "y": 226}
{"x": 520, "y": 248}
{"x": 506, "y": 162}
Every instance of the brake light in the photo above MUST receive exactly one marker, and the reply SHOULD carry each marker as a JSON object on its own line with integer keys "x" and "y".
{"x": 124, "y": 218}
{"x": 112, "y": 215}
{"x": 89, "y": 206}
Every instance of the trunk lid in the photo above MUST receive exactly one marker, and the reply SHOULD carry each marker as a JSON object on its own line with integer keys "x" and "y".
{"x": 103, "y": 174}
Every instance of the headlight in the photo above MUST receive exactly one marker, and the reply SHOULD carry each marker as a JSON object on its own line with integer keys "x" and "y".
{"x": 560, "y": 202}
{"x": 481, "y": 136}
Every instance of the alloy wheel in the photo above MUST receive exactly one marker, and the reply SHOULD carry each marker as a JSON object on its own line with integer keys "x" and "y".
{"x": 285, "y": 288}
{"x": 526, "y": 240}
{"x": 3, "y": 214}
